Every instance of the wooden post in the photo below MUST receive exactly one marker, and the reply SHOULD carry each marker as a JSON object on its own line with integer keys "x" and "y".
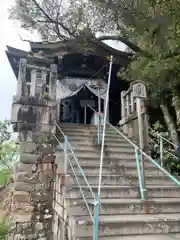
{"x": 33, "y": 83}
{"x": 53, "y": 82}
{"x": 132, "y": 102}
{"x": 43, "y": 79}
{"x": 139, "y": 92}
{"x": 21, "y": 77}
{"x": 127, "y": 104}
{"x": 122, "y": 105}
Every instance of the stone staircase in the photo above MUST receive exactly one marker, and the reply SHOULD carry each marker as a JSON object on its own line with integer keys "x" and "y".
{"x": 122, "y": 213}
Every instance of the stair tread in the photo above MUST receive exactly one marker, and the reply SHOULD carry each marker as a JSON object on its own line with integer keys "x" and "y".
{"x": 135, "y": 218}
{"x": 127, "y": 186}
{"x": 119, "y": 175}
{"x": 169, "y": 236}
{"x": 91, "y": 164}
{"x": 132, "y": 201}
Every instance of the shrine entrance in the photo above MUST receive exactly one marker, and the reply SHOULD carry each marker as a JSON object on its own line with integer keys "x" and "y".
{"x": 89, "y": 107}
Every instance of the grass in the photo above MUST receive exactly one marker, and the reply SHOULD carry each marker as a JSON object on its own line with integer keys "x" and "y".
{"x": 5, "y": 175}
{"x": 3, "y": 229}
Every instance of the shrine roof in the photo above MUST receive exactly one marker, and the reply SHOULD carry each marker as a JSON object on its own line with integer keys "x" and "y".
{"x": 14, "y": 55}
{"x": 71, "y": 46}
{"x": 52, "y": 50}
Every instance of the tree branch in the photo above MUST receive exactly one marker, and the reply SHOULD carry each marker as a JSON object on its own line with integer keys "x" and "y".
{"x": 41, "y": 9}
{"x": 51, "y": 20}
{"x": 128, "y": 43}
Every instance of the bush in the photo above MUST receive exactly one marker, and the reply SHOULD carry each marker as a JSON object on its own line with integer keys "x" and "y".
{"x": 5, "y": 175}
{"x": 169, "y": 162}
{"x": 4, "y": 228}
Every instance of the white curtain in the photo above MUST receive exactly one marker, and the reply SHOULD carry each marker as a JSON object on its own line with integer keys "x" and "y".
{"x": 68, "y": 87}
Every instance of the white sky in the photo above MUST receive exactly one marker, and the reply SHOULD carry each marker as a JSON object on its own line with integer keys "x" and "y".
{"x": 10, "y": 36}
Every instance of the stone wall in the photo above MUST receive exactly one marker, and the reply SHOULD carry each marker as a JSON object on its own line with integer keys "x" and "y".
{"x": 31, "y": 205}
{"x": 63, "y": 224}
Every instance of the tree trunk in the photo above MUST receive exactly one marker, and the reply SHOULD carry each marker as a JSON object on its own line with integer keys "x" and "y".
{"x": 169, "y": 122}
{"x": 176, "y": 104}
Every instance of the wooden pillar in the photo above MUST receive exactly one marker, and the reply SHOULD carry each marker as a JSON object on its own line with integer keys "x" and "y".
{"x": 33, "y": 83}
{"x": 122, "y": 105}
{"x": 132, "y": 102}
{"x": 127, "y": 104}
{"x": 43, "y": 81}
{"x": 53, "y": 82}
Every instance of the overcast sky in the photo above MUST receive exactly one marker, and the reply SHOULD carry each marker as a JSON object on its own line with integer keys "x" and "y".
{"x": 9, "y": 36}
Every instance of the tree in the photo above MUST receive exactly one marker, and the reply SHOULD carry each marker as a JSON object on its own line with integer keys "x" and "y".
{"x": 150, "y": 28}
{"x": 58, "y": 20}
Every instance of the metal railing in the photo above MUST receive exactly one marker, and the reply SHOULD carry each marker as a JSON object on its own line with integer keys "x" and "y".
{"x": 140, "y": 154}
{"x": 68, "y": 154}
{"x": 162, "y": 140}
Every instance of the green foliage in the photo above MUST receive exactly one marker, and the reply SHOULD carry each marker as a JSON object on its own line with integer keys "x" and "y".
{"x": 8, "y": 150}
{"x": 5, "y": 175}
{"x": 8, "y": 147}
{"x": 7, "y": 154}
{"x": 4, "y": 131}
{"x": 4, "y": 228}
{"x": 169, "y": 154}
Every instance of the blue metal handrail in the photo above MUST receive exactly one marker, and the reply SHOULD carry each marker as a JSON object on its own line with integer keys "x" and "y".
{"x": 163, "y": 149}
{"x": 139, "y": 152}
{"x": 161, "y": 146}
{"x": 95, "y": 201}
{"x": 81, "y": 170}
{"x": 145, "y": 155}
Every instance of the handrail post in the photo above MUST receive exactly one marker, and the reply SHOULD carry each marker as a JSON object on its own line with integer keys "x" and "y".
{"x": 96, "y": 218}
{"x": 99, "y": 129}
{"x": 104, "y": 127}
{"x": 141, "y": 186}
{"x": 141, "y": 140}
{"x": 161, "y": 149}
{"x": 99, "y": 118}
{"x": 65, "y": 154}
{"x": 85, "y": 114}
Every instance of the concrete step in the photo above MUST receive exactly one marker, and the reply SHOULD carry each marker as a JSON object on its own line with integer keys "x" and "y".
{"x": 92, "y": 139}
{"x": 91, "y": 135}
{"x": 107, "y": 149}
{"x": 96, "y": 153}
{"x": 128, "y": 160}
{"x": 122, "y": 225}
{"x": 89, "y": 128}
{"x": 168, "y": 236}
{"x": 113, "y": 169}
{"x": 116, "y": 191}
{"x": 117, "y": 179}
{"x": 85, "y": 127}
{"x": 126, "y": 206}
{"x": 109, "y": 145}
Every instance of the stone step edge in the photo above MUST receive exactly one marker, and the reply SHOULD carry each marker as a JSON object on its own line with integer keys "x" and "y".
{"x": 128, "y": 187}
{"x": 118, "y": 201}
{"x": 139, "y": 218}
{"x": 121, "y": 176}
{"x": 167, "y": 236}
